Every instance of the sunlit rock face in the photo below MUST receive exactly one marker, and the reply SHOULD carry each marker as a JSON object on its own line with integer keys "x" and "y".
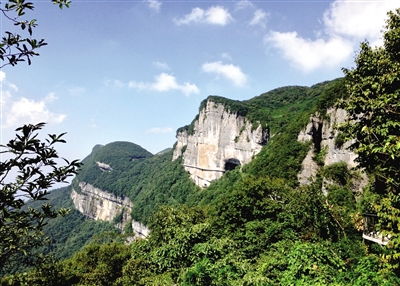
{"x": 322, "y": 134}
{"x": 220, "y": 141}
{"x": 100, "y": 205}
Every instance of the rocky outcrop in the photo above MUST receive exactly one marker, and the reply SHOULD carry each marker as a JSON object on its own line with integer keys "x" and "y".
{"x": 322, "y": 134}
{"x": 100, "y": 205}
{"x": 104, "y": 167}
{"x": 220, "y": 141}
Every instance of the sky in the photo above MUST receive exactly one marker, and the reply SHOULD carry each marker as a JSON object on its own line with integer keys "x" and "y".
{"x": 138, "y": 70}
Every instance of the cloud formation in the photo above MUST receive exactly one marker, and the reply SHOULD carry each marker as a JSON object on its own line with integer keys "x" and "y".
{"x": 348, "y": 20}
{"x": 160, "y": 130}
{"x": 165, "y": 82}
{"x": 259, "y": 18}
{"x": 228, "y": 71}
{"x": 215, "y": 15}
{"x": 7, "y": 83}
{"x": 16, "y": 113}
{"x": 160, "y": 65}
{"x": 310, "y": 55}
{"x": 154, "y": 5}
{"x": 24, "y": 111}
{"x": 345, "y": 25}
{"x": 243, "y": 4}
{"x": 76, "y": 91}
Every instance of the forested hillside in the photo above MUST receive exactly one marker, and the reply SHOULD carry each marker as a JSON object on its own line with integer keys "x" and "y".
{"x": 306, "y": 191}
{"x": 254, "y": 226}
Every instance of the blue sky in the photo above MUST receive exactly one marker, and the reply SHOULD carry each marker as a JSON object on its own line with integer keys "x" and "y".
{"x": 138, "y": 70}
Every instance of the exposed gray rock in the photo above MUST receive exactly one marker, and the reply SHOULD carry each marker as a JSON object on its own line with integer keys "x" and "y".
{"x": 336, "y": 154}
{"x": 100, "y": 205}
{"x": 221, "y": 141}
{"x": 309, "y": 169}
{"x": 322, "y": 134}
{"x": 140, "y": 229}
{"x": 104, "y": 166}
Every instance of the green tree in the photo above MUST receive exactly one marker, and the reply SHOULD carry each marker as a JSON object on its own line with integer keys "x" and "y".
{"x": 94, "y": 265}
{"x": 15, "y": 47}
{"x": 35, "y": 166}
{"x": 373, "y": 106}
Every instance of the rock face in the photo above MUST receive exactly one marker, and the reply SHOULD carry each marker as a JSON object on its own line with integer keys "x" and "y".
{"x": 99, "y": 205}
{"x": 322, "y": 134}
{"x": 220, "y": 142}
{"x": 104, "y": 167}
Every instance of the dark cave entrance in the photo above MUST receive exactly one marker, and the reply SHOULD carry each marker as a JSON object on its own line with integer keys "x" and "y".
{"x": 316, "y": 133}
{"x": 231, "y": 164}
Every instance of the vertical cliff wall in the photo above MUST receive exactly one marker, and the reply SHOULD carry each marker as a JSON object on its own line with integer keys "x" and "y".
{"x": 218, "y": 141}
{"x": 100, "y": 205}
{"x": 323, "y": 136}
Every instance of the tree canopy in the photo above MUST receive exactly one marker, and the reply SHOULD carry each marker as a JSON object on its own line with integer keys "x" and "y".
{"x": 18, "y": 47}
{"x": 36, "y": 167}
{"x": 373, "y": 106}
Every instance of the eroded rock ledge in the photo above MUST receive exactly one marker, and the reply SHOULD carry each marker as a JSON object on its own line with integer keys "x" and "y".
{"x": 220, "y": 142}
{"x": 100, "y": 205}
{"x": 322, "y": 134}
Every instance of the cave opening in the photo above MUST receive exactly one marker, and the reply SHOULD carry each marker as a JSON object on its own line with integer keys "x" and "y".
{"x": 316, "y": 133}
{"x": 231, "y": 164}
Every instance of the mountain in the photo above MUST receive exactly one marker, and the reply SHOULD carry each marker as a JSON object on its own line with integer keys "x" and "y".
{"x": 123, "y": 183}
{"x": 249, "y": 188}
{"x": 268, "y": 135}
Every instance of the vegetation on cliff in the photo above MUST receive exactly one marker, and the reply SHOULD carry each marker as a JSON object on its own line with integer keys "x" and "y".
{"x": 374, "y": 123}
{"x": 256, "y": 226}
{"x": 149, "y": 181}
{"x": 279, "y": 107}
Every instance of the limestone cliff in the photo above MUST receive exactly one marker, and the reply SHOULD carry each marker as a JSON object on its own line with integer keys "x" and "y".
{"x": 100, "y": 205}
{"x": 322, "y": 134}
{"x": 219, "y": 141}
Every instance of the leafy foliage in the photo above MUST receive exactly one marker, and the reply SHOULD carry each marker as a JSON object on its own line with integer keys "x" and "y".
{"x": 70, "y": 233}
{"x": 149, "y": 181}
{"x": 254, "y": 226}
{"x": 35, "y": 163}
{"x": 374, "y": 120}
{"x": 14, "y": 47}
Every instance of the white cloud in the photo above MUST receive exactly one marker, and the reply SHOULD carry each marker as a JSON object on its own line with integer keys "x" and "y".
{"x": 154, "y": 5}
{"x": 24, "y": 111}
{"x": 345, "y": 25}
{"x": 76, "y": 91}
{"x": 229, "y": 71}
{"x": 165, "y": 82}
{"x": 358, "y": 20}
{"x": 51, "y": 96}
{"x": 160, "y": 65}
{"x": 226, "y": 56}
{"x": 8, "y": 84}
{"x": 259, "y": 18}
{"x": 12, "y": 86}
{"x": 309, "y": 55}
{"x": 114, "y": 83}
{"x": 16, "y": 113}
{"x": 243, "y": 4}
{"x": 4, "y": 99}
{"x": 159, "y": 130}
{"x": 215, "y": 15}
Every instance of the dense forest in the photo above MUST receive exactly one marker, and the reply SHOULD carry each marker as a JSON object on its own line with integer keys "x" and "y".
{"x": 256, "y": 225}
